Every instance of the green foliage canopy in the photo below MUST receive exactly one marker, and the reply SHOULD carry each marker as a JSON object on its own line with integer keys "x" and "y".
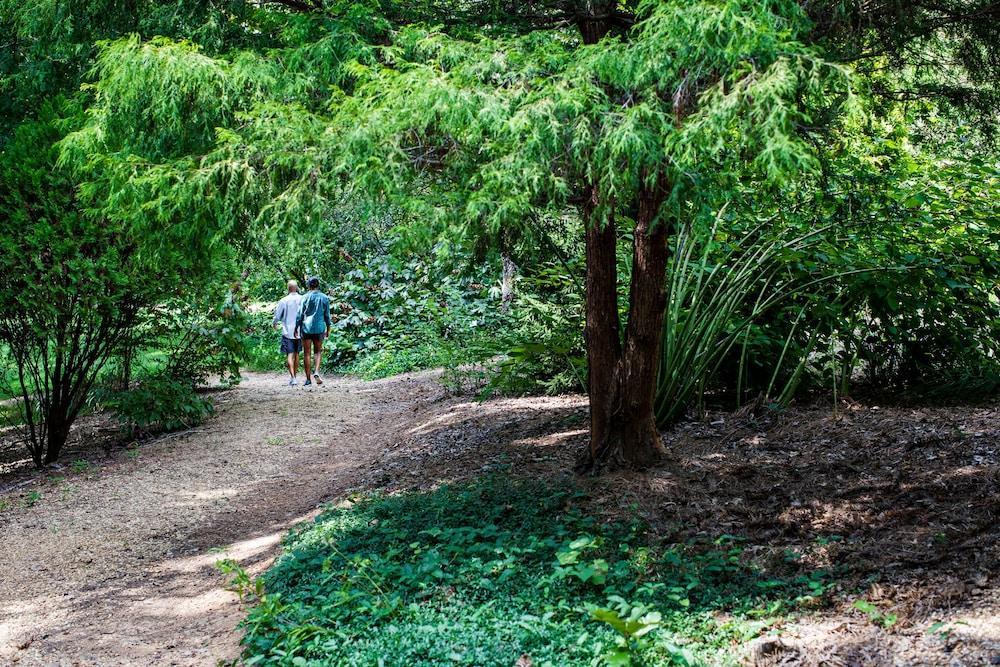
{"x": 76, "y": 281}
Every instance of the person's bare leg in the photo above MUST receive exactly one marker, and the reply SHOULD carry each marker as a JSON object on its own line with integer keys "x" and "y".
{"x": 318, "y": 347}
{"x": 307, "y": 352}
{"x": 295, "y": 365}
{"x": 291, "y": 363}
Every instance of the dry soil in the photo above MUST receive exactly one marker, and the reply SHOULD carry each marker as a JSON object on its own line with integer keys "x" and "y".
{"x": 110, "y": 561}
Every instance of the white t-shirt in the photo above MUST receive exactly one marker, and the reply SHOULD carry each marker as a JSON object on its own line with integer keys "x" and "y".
{"x": 287, "y": 311}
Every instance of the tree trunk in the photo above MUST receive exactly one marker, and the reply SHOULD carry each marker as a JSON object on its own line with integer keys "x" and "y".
{"x": 595, "y": 19}
{"x": 507, "y": 282}
{"x": 622, "y": 379}
{"x": 602, "y": 331}
{"x": 641, "y": 444}
{"x": 57, "y": 434}
{"x": 127, "y": 356}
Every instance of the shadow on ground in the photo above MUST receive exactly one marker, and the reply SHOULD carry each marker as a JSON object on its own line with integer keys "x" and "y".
{"x": 902, "y": 503}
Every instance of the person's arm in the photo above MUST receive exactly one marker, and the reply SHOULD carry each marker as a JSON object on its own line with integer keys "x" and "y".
{"x": 279, "y": 314}
{"x": 326, "y": 316}
{"x": 298, "y": 317}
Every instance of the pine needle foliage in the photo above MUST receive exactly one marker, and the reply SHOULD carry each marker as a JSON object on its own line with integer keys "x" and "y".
{"x": 235, "y": 122}
{"x": 476, "y": 132}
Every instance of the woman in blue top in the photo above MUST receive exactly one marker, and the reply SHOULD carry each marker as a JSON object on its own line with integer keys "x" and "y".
{"x": 313, "y": 323}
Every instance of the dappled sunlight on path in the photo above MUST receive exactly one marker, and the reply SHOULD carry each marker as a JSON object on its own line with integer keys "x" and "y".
{"x": 117, "y": 565}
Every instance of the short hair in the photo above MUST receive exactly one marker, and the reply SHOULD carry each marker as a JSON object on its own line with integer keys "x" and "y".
{"x": 293, "y": 285}
{"x": 313, "y": 282}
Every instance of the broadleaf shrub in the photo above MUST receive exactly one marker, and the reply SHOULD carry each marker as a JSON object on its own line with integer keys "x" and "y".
{"x": 159, "y": 403}
{"x": 392, "y": 315}
{"x": 157, "y": 386}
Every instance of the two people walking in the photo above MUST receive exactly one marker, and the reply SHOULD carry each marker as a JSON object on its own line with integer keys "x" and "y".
{"x": 305, "y": 323}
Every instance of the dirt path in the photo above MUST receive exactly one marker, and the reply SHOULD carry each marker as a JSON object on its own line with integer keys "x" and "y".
{"x": 115, "y": 564}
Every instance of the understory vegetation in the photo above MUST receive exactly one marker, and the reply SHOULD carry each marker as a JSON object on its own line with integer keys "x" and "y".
{"x": 623, "y": 205}
{"x": 499, "y": 570}
{"x": 667, "y": 206}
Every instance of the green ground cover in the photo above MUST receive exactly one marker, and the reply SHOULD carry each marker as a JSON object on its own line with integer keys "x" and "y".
{"x": 484, "y": 573}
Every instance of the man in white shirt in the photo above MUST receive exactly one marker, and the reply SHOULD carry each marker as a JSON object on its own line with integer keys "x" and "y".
{"x": 284, "y": 318}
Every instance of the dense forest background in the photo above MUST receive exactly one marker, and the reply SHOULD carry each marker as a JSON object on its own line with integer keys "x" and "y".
{"x": 739, "y": 202}
{"x": 737, "y": 260}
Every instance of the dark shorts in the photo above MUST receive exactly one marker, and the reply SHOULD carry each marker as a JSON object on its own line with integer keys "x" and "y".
{"x": 317, "y": 339}
{"x": 290, "y": 345}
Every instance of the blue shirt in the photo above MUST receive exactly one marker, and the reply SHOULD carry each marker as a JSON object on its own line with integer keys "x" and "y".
{"x": 314, "y": 313}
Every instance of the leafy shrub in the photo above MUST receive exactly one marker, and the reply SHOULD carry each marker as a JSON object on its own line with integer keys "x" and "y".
{"x": 544, "y": 351}
{"x": 183, "y": 348}
{"x": 392, "y": 315}
{"x": 918, "y": 303}
{"x": 899, "y": 292}
{"x": 159, "y": 403}
{"x": 411, "y": 353}
{"x": 260, "y": 352}
{"x": 205, "y": 340}
{"x": 390, "y": 303}
{"x": 480, "y": 574}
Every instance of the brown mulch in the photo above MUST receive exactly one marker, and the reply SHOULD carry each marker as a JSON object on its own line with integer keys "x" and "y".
{"x": 902, "y": 503}
{"x": 94, "y": 436}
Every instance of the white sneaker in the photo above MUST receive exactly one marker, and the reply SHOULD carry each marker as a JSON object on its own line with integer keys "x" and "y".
{"x": 292, "y": 382}
{"x": 317, "y": 379}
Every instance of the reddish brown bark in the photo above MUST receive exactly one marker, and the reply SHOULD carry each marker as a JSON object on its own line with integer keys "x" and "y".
{"x": 640, "y": 443}
{"x": 603, "y": 329}
{"x": 622, "y": 378}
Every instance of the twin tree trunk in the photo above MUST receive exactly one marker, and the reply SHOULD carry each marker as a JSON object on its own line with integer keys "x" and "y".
{"x": 623, "y": 371}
